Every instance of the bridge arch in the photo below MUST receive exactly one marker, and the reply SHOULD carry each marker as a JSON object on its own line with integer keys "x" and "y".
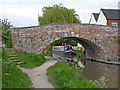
{"x": 92, "y": 50}
{"x": 99, "y": 41}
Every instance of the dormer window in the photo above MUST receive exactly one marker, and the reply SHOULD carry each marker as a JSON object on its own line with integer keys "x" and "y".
{"x": 114, "y": 24}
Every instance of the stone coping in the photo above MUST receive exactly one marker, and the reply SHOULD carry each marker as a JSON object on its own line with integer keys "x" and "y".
{"x": 62, "y": 24}
{"x": 106, "y": 62}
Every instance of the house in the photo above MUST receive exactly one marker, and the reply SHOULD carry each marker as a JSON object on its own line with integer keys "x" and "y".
{"x": 110, "y": 17}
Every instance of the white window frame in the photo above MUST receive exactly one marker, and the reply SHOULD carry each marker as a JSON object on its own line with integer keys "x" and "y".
{"x": 115, "y": 24}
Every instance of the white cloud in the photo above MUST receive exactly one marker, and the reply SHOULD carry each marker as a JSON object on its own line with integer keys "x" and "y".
{"x": 32, "y": 1}
{"x": 25, "y": 12}
{"x": 16, "y": 10}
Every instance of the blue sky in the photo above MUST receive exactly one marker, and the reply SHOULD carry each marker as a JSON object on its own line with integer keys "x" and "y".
{"x": 22, "y": 13}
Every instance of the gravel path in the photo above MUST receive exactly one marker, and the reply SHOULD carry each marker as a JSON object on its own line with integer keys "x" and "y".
{"x": 38, "y": 75}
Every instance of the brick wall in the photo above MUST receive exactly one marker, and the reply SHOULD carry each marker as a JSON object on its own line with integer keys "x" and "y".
{"x": 109, "y": 22}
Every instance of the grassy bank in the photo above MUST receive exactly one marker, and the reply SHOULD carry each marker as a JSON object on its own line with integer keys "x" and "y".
{"x": 63, "y": 76}
{"x": 12, "y": 77}
{"x": 0, "y": 67}
{"x": 30, "y": 60}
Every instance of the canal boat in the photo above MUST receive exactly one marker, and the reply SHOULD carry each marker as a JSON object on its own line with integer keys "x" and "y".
{"x": 68, "y": 49}
{"x": 64, "y": 49}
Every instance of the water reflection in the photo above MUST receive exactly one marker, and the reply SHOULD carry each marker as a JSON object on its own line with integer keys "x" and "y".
{"x": 105, "y": 75}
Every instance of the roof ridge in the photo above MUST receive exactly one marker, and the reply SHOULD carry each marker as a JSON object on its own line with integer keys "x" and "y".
{"x": 96, "y": 13}
{"x": 110, "y": 9}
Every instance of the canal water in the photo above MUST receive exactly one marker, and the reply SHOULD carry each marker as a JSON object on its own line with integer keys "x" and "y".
{"x": 106, "y": 75}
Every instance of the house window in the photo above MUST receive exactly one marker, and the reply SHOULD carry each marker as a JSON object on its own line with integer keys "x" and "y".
{"x": 114, "y": 24}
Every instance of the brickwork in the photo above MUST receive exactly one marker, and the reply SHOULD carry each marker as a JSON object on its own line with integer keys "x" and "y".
{"x": 109, "y": 22}
{"x": 99, "y": 41}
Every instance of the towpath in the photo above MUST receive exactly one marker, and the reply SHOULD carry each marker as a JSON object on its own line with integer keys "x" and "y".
{"x": 38, "y": 75}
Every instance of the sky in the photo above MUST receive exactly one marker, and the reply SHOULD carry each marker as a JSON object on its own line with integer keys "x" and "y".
{"x": 23, "y": 13}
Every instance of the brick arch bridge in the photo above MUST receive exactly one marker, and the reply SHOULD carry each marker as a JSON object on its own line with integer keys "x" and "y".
{"x": 99, "y": 41}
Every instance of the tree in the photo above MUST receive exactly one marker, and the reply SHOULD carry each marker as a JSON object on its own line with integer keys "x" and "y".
{"x": 64, "y": 40}
{"x": 58, "y": 14}
{"x": 6, "y": 33}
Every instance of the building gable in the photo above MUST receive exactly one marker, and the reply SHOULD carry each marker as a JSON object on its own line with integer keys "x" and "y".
{"x": 102, "y": 19}
{"x": 93, "y": 19}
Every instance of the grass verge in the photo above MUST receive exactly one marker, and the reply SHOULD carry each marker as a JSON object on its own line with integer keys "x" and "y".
{"x": 12, "y": 77}
{"x": 63, "y": 76}
{"x": 0, "y": 67}
{"x": 30, "y": 60}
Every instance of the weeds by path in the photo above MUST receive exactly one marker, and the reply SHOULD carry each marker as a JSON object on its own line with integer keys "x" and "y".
{"x": 30, "y": 60}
